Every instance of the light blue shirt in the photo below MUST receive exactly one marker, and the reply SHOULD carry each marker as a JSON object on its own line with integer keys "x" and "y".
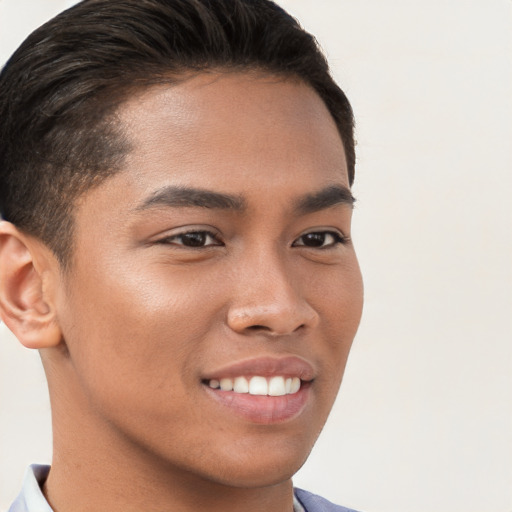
{"x": 31, "y": 498}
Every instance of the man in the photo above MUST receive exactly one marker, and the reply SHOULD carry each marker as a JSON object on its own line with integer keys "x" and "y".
{"x": 175, "y": 189}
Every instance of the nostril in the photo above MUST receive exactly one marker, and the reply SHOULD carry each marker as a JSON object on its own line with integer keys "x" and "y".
{"x": 276, "y": 319}
{"x": 258, "y": 328}
{"x": 265, "y": 328}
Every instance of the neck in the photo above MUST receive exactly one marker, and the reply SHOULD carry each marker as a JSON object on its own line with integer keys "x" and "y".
{"x": 83, "y": 488}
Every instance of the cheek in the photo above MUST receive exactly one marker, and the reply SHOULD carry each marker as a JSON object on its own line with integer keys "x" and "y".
{"x": 337, "y": 293}
{"x": 340, "y": 301}
{"x": 135, "y": 332}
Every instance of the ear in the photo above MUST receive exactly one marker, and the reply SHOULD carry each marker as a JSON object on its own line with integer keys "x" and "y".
{"x": 25, "y": 300}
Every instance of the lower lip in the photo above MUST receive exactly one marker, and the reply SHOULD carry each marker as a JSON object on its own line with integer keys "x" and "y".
{"x": 264, "y": 410}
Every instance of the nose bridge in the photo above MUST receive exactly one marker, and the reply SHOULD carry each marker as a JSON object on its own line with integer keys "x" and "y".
{"x": 269, "y": 296}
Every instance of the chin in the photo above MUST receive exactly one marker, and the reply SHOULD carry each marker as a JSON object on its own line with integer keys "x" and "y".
{"x": 255, "y": 479}
{"x": 258, "y": 470}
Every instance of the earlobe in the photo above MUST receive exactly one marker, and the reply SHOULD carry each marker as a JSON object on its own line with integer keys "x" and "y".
{"x": 25, "y": 305}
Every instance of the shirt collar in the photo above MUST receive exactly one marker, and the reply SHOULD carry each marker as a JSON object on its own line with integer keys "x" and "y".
{"x": 31, "y": 498}
{"x": 297, "y": 505}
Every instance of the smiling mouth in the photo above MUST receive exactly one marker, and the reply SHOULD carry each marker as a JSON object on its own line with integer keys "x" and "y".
{"x": 263, "y": 400}
{"x": 258, "y": 385}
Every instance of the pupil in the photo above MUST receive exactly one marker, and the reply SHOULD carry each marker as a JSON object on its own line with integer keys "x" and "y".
{"x": 194, "y": 239}
{"x": 314, "y": 239}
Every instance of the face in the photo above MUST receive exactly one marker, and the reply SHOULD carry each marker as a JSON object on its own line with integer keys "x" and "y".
{"x": 214, "y": 291}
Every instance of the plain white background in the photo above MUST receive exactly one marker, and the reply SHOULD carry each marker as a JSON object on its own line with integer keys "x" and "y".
{"x": 424, "y": 418}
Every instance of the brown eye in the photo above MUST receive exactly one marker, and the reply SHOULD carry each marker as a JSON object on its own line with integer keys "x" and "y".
{"x": 192, "y": 239}
{"x": 313, "y": 239}
{"x": 319, "y": 239}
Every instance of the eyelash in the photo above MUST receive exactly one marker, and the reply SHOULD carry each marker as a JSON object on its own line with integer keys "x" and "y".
{"x": 202, "y": 236}
{"x": 200, "y": 232}
{"x": 337, "y": 239}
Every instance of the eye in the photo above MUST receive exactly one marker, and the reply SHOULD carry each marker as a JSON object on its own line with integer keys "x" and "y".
{"x": 192, "y": 239}
{"x": 319, "y": 239}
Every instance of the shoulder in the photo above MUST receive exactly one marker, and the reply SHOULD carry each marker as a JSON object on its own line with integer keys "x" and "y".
{"x": 314, "y": 503}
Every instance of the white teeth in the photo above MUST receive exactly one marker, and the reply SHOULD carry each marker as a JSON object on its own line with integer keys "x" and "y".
{"x": 226, "y": 384}
{"x": 258, "y": 386}
{"x": 215, "y": 384}
{"x": 295, "y": 385}
{"x": 274, "y": 386}
{"x": 241, "y": 385}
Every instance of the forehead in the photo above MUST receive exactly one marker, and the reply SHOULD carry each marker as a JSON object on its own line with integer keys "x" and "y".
{"x": 231, "y": 123}
{"x": 213, "y": 97}
{"x": 264, "y": 140}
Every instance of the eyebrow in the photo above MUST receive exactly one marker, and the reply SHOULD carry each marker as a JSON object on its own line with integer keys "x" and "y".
{"x": 176, "y": 196}
{"x": 325, "y": 198}
{"x": 173, "y": 196}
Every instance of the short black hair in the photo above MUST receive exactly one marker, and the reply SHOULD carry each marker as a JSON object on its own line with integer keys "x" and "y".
{"x": 60, "y": 91}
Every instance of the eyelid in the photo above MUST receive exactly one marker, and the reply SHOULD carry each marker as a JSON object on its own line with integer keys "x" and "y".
{"x": 170, "y": 239}
{"x": 339, "y": 238}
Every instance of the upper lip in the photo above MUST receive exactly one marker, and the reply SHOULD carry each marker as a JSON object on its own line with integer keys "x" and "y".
{"x": 288, "y": 366}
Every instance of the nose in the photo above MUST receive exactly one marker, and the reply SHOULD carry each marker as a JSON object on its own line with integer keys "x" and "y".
{"x": 270, "y": 299}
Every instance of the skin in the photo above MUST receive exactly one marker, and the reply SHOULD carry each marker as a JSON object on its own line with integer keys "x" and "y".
{"x": 128, "y": 334}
